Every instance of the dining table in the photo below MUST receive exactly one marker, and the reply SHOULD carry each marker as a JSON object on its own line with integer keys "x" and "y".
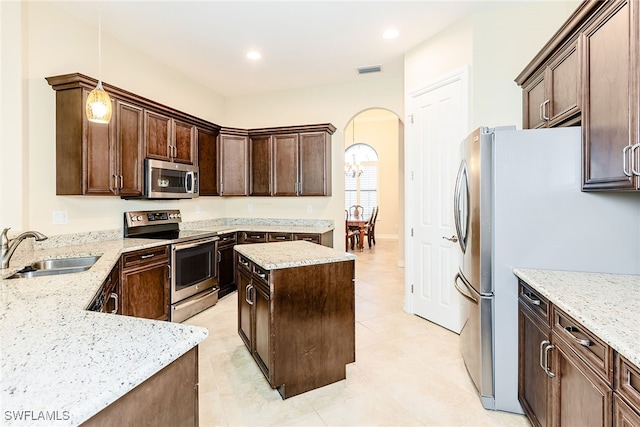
{"x": 359, "y": 222}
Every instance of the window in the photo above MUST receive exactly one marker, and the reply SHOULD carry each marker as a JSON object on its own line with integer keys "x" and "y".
{"x": 361, "y": 180}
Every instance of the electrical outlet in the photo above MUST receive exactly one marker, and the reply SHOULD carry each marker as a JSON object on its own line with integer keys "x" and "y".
{"x": 60, "y": 217}
{"x": 197, "y": 208}
{"x": 309, "y": 208}
{"x": 249, "y": 207}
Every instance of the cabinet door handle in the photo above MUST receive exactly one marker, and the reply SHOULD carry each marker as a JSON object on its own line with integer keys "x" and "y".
{"x": 147, "y": 256}
{"x": 542, "y": 345}
{"x": 247, "y": 294}
{"x": 115, "y": 298}
{"x": 540, "y": 112}
{"x": 570, "y": 329}
{"x": 219, "y": 256}
{"x": 121, "y": 182}
{"x": 115, "y": 182}
{"x": 531, "y": 300}
{"x": 635, "y": 160}
{"x": 546, "y": 360}
{"x": 627, "y": 160}
{"x": 544, "y": 110}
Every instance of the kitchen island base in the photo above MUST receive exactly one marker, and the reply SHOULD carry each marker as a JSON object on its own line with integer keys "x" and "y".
{"x": 298, "y": 322}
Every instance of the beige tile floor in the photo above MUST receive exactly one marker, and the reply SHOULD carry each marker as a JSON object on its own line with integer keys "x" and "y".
{"x": 408, "y": 371}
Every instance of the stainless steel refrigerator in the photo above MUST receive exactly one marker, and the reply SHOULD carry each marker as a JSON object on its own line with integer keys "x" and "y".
{"x": 518, "y": 203}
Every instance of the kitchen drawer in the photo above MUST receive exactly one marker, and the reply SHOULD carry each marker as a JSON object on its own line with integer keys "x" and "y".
{"x": 279, "y": 237}
{"x": 261, "y": 274}
{"x": 313, "y": 238}
{"x": 585, "y": 343}
{"x": 145, "y": 257}
{"x": 244, "y": 263}
{"x": 532, "y": 299}
{"x": 628, "y": 381}
{"x": 254, "y": 237}
{"x": 229, "y": 239}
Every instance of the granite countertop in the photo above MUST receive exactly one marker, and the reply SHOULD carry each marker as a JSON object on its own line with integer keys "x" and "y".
{"x": 61, "y": 360}
{"x": 277, "y": 255}
{"x": 606, "y": 304}
{"x": 57, "y": 359}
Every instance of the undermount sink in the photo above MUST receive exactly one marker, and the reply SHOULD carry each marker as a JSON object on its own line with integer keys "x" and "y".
{"x": 50, "y": 267}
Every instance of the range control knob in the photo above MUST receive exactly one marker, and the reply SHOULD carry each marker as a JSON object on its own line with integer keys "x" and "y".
{"x": 139, "y": 217}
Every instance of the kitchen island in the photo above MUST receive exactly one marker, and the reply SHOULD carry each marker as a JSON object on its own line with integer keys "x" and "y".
{"x": 296, "y": 312}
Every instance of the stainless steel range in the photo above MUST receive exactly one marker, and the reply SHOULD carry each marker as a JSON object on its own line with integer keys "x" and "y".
{"x": 194, "y": 278}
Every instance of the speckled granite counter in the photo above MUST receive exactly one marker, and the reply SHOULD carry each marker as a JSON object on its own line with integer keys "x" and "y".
{"x": 61, "y": 360}
{"x": 277, "y": 255}
{"x": 606, "y": 304}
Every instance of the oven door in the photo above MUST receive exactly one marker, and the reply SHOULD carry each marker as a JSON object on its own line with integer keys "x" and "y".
{"x": 193, "y": 268}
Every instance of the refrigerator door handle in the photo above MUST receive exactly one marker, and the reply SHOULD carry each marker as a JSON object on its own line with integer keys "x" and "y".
{"x": 461, "y": 206}
{"x": 463, "y": 293}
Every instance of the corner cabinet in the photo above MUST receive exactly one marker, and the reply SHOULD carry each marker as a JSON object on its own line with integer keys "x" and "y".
{"x": 588, "y": 74}
{"x": 233, "y": 154}
{"x": 108, "y": 159}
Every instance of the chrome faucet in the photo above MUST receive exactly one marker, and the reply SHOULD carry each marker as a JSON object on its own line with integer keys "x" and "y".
{"x": 8, "y": 247}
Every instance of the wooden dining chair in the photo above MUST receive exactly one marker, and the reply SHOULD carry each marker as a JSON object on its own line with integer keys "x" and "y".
{"x": 370, "y": 228}
{"x": 350, "y": 235}
{"x": 356, "y": 211}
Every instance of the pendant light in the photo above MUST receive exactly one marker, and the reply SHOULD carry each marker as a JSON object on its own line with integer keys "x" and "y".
{"x": 98, "y": 106}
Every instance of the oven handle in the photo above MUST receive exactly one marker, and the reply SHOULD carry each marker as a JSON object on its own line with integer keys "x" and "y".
{"x": 187, "y": 245}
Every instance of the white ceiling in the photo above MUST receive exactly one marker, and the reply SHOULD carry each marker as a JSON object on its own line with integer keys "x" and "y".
{"x": 303, "y": 43}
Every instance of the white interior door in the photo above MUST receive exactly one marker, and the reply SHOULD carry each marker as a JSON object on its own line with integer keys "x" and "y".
{"x": 438, "y": 125}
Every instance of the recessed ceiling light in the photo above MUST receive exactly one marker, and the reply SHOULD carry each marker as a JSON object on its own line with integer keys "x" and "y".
{"x": 390, "y": 34}
{"x": 253, "y": 54}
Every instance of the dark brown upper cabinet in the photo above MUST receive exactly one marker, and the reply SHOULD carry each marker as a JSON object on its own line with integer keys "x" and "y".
{"x": 291, "y": 161}
{"x": 233, "y": 155}
{"x": 588, "y": 74}
{"x": 169, "y": 139}
{"x": 260, "y": 160}
{"x": 107, "y": 159}
{"x": 208, "y": 161}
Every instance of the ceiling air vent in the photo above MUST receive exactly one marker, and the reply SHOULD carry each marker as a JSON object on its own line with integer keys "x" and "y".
{"x": 369, "y": 69}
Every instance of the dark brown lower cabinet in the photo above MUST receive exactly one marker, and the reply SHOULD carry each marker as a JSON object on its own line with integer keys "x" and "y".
{"x": 145, "y": 283}
{"x": 623, "y": 414}
{"x": 169, "y": 398}
{"x": 534, "y": 385}
{"x": 581, "y": 398}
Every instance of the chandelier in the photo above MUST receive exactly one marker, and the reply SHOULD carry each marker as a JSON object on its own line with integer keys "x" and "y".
{"x": 353, "y": 169}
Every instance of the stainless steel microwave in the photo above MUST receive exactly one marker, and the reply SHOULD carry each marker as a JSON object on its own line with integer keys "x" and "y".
{"x": 167, "y": 180}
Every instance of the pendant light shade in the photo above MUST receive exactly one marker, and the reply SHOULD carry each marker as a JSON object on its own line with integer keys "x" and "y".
{"x": 98, "y": 106}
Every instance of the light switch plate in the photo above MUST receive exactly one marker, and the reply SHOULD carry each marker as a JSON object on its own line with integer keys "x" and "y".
{"x": 60, "y": 217}
{"x": 249, "y": 207}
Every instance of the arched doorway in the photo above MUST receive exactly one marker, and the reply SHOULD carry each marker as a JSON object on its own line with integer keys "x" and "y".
{"x": 383, "y": 132}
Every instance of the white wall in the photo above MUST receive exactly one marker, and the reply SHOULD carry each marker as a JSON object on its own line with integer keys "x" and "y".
{"x": 48, "y": 42}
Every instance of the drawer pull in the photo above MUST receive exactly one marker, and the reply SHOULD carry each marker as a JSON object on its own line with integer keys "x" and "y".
{"x": 262, "y": 275}
{"x": 255, "y": 237}
{"x": 147, "y": 256}
{"x": 531, "y": 300}
{"x": 280, "y": 237}
{"x": 245, "y": 263}
{"x": 570, "y": 329}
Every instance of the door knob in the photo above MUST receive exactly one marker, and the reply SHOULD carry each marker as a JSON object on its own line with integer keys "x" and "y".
{"x": 451, "y": 239}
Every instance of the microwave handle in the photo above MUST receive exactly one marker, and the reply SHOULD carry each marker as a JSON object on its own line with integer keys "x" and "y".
{"x": 190, "y": 182}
